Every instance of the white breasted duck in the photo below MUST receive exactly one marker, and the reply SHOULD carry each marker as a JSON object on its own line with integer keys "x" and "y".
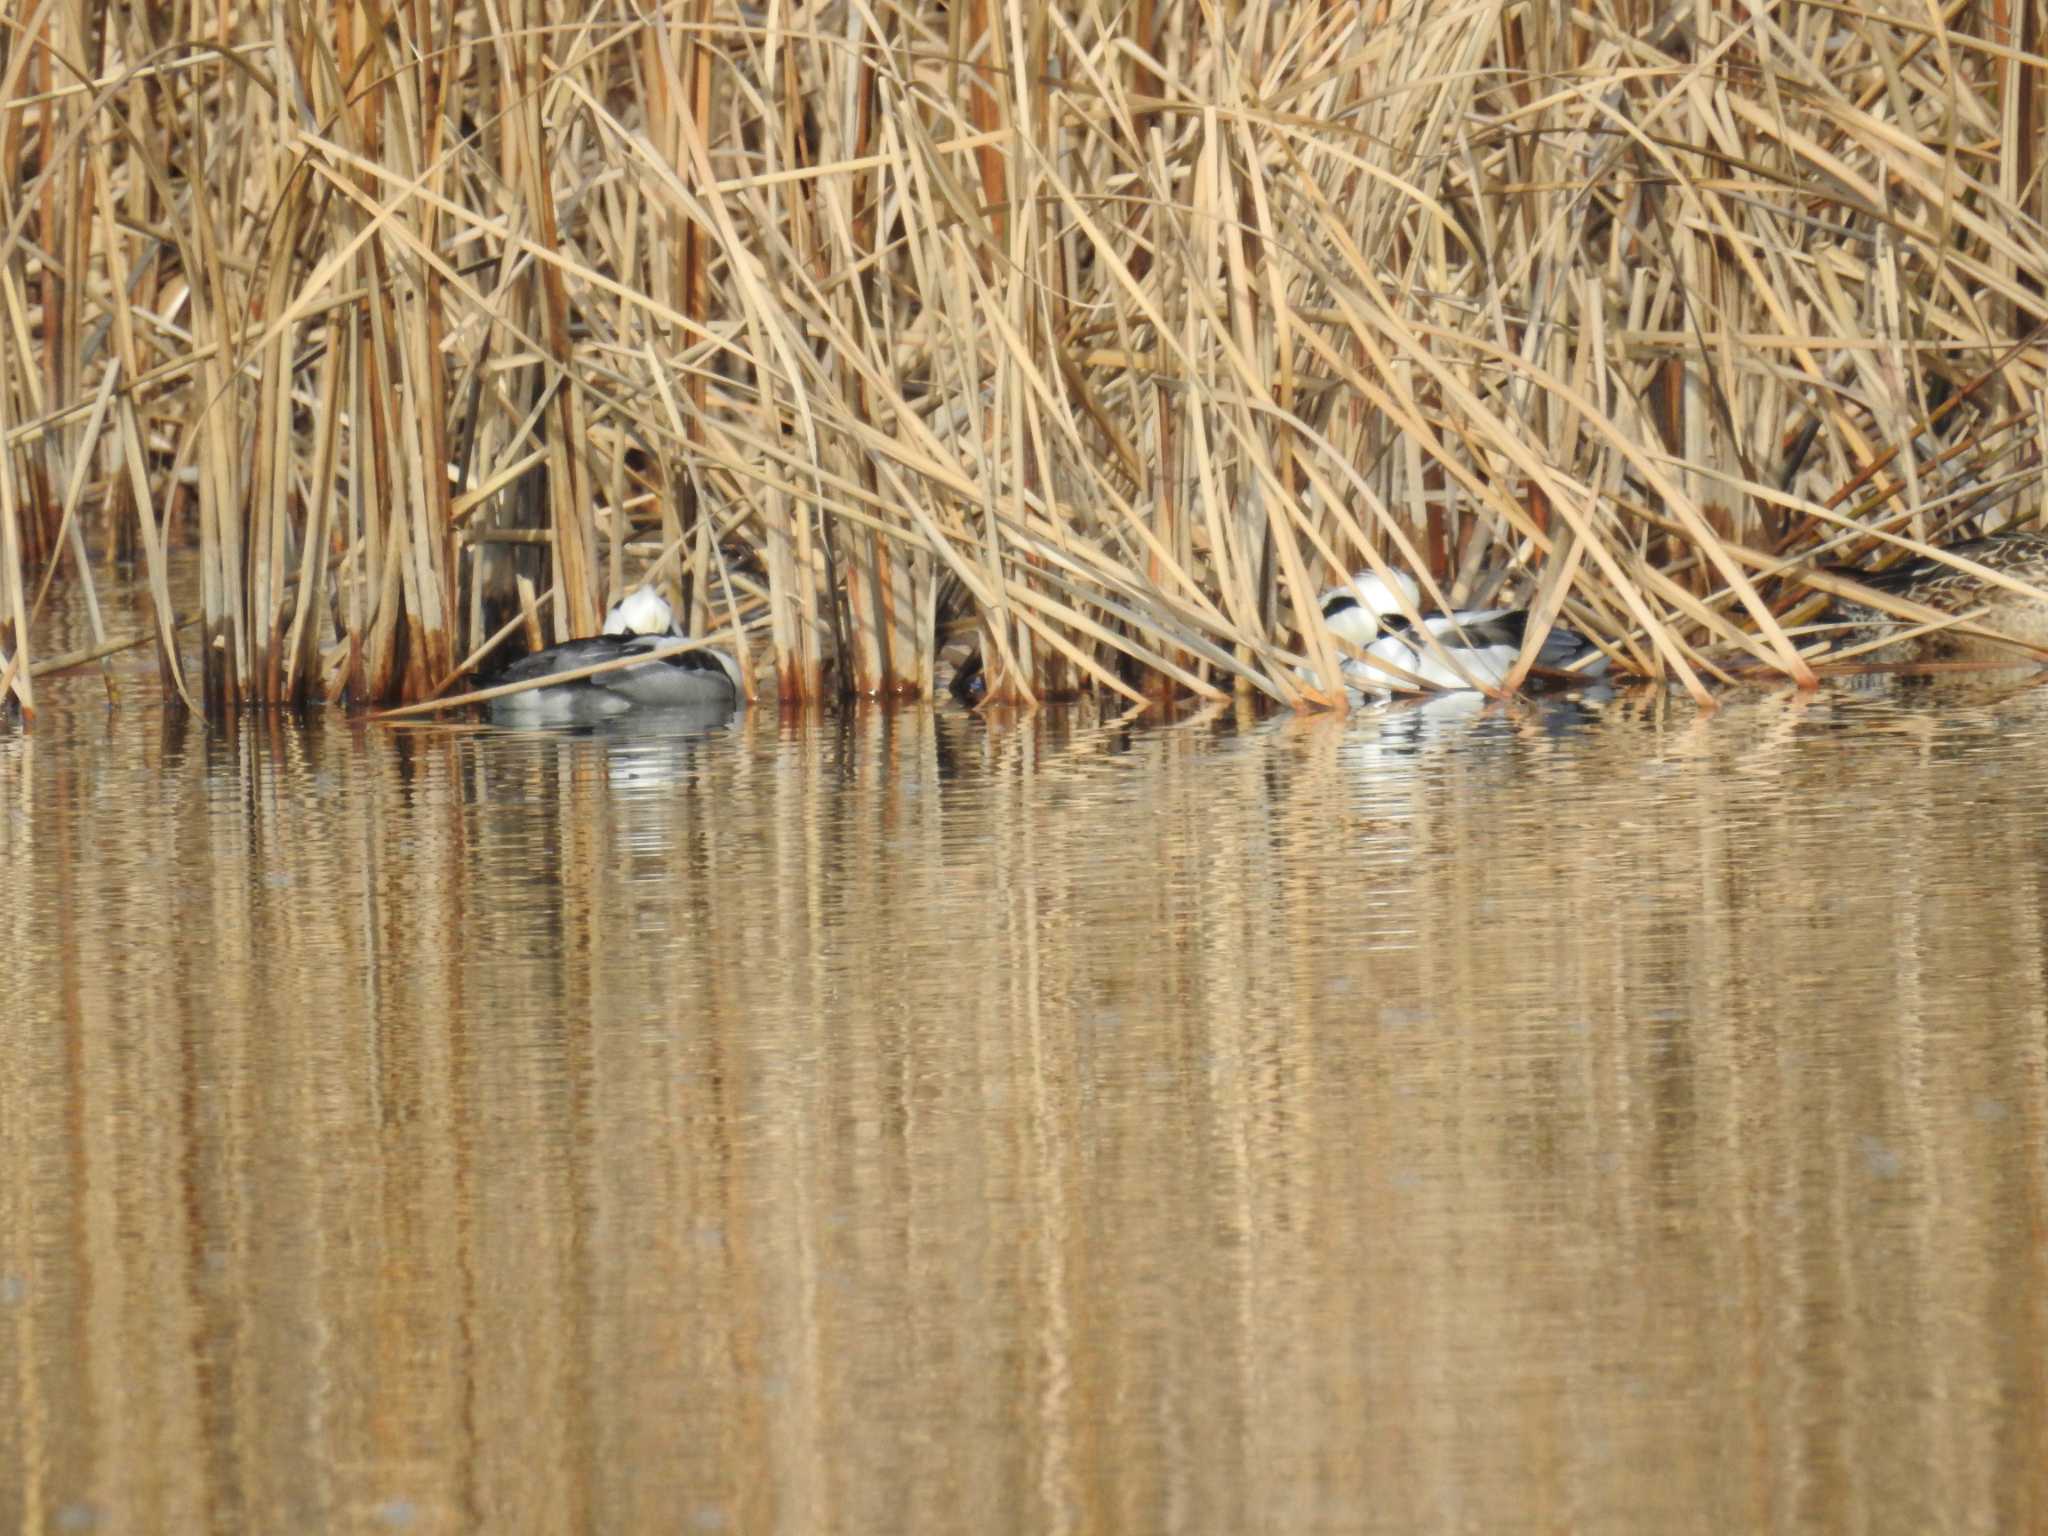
{"x": 638, "y": 623}
{"x": 1942, "y": 587}
{"x": 1475, "y": 648}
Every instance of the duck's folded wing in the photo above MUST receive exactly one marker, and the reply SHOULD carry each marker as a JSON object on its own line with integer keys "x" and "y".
{"x": 1481, "y": 628}
{"x": 566, "y": 657}
{"x": 1506, "y": 629}
{"x": 686, "y": 677}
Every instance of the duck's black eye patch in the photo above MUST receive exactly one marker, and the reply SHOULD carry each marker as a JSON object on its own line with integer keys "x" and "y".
{"x": 1343, "y": 602}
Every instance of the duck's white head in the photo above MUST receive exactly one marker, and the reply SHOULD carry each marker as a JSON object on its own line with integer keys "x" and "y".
{"x": 642, "y": 611}
{"x": 1354, "y": 610}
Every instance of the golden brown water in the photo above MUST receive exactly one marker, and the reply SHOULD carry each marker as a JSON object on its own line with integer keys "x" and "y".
{"x": 914, "y": 1123}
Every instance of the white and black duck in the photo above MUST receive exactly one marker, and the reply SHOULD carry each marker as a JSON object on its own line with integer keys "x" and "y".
{"x": 1475, "y": 648}
{"x": 640, "y": 623}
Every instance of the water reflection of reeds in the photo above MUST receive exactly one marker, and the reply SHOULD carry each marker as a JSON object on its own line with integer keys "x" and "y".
{"x": 925, "y": 1120}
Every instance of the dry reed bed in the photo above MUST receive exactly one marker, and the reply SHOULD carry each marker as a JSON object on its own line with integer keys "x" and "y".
{"x": 1109, "y": 333}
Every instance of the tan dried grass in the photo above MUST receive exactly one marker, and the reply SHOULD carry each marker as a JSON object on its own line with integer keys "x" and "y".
{"x": 1117, "y": 330}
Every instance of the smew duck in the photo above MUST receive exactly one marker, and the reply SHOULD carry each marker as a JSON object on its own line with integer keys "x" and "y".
{"x": 639, "y": 623}
{"x": 1475, "y": 647}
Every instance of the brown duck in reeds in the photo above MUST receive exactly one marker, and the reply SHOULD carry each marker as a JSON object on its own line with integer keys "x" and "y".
{"x": 1945, "y": 589}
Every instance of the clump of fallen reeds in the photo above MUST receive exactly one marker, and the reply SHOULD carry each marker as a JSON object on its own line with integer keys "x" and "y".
{"x": 1102, "y": 335}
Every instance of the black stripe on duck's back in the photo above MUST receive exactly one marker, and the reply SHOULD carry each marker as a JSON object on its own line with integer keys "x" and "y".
{"x": 1507, "y": 627}
{"x": 682, "y": 661}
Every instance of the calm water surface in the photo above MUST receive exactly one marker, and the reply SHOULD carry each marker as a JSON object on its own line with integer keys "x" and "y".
{"x": 1623, "y": 1121}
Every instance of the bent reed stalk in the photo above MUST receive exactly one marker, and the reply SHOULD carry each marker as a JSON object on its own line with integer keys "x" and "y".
{"x": 1107, "y": 334}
